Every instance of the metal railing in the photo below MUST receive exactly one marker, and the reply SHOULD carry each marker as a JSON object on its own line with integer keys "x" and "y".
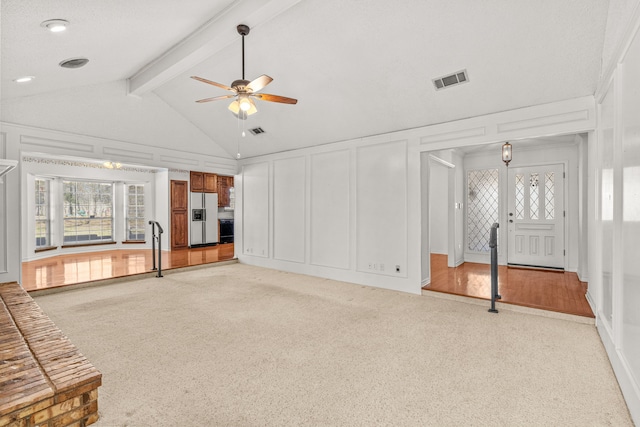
{"x": 153, "y": 246}
{"x": 493, "y": 244}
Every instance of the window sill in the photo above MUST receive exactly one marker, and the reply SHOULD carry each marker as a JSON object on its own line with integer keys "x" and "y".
{"x": 134, "y": 242}
{"x": 46, "y": 248}
{"x": 88, "y": 244}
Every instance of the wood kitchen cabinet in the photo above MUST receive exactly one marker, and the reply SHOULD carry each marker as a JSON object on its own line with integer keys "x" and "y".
{"x": 197, "y": 182}
{"x": 224, "y": 185}
{"x": 204, "y": 182}
{"x": 179, "y": 215}
{"x": 210, "y": 183}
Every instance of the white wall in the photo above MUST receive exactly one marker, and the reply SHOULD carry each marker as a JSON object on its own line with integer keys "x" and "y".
{"x": 10, "y": 212}
{"x": 289, "y": 189}
{"x": 439, "y": 208}
{"x": 330, "y": 180}
{"x": 425, "y": 232}
{"x": 614, "y": 210}
{"x": 359, "y": 211}
{"x": 459, "y": 203}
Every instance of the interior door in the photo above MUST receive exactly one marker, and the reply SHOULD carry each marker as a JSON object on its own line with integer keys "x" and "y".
{"x": 536, "y": 216}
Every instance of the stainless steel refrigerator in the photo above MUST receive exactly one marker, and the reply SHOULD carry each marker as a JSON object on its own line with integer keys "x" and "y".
{"x": 204, "y": 219}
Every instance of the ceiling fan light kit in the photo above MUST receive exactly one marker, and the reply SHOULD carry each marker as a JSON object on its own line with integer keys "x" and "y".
{"x": 245, "y": 91}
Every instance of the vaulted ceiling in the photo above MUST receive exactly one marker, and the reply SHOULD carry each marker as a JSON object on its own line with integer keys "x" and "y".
{"x": 357, "y": 67}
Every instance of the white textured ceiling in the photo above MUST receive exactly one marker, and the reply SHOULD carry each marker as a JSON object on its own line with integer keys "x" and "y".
{"x": 357, "y": 67}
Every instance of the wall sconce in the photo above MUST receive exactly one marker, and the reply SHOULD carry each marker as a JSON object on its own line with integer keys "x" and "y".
{"x": 506, "y": 153}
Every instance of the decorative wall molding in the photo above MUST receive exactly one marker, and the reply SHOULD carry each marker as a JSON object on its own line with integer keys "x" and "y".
{"x": 289, "y": 209}
{"x": 574, "y": 116}
{"x": 121, "y": 153}
{"x": 182, "y": 171}
{"x": 454, "y": 135}
{"x": 217, "y": 165}
{"x": 179, "y": 160}
{"x": 330, "y": 247}
{"x": 74, "y": 147}
{"x": 59, "y": 162}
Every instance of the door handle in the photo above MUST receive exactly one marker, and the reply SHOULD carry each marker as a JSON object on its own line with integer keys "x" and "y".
{"x": 510, "y": 213}
{"x": 510, "y": 220}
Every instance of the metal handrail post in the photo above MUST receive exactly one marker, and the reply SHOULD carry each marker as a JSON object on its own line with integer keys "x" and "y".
{"x": 159, "y": 251}
{"x": 493, "y": 244}
{"x": 153, "y": 244}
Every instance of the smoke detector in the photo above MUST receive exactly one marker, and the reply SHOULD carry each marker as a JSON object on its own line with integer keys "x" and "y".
{"x": 451, "y": 80}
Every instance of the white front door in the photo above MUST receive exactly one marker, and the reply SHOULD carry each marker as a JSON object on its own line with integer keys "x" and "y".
{"x": 536, "y": 216}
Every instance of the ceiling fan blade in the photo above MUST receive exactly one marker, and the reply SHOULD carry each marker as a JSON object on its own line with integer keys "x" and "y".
{"x": 220, "y": 85}
{"x": 259, "y": 83}
{"x": 275, "y": 98}
{"x": 216, "y": 98}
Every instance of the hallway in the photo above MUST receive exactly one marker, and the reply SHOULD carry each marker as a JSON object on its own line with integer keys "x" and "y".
{"x": 547, "y": 290}
{"x": 64, "y": 270}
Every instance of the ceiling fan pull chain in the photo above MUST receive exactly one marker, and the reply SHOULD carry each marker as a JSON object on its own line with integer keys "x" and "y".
{"x": 238, "y": 140}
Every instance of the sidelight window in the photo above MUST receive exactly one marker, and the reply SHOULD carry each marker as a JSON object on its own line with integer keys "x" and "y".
{"x": 42, "y": 213}
{"x": 482, "y": 205}
{"x": 135, "y": 224}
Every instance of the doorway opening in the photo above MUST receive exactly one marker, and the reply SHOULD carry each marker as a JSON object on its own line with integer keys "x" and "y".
{"x": 540, "y": 204}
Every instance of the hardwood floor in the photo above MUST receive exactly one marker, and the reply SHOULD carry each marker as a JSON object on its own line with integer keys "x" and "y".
{"x": 64, "y": 270}
{"x": 548, "y": 290}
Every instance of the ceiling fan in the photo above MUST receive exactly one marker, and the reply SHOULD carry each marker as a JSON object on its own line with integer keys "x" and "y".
{"x": 244, "y": 91}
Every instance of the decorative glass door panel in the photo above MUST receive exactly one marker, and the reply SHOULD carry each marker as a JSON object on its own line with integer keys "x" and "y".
{"x": 535, "y": 220}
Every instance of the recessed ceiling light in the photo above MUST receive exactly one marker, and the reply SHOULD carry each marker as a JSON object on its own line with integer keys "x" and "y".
{"x": 55, "y": 25}
{"x": 24, "y": 79}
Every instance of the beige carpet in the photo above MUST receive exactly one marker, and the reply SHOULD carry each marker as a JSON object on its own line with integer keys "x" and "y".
{"x": 237, "y": 345}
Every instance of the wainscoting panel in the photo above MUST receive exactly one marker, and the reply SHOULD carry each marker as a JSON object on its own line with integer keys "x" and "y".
{"x": 289, "y": 209}
{"x": 330, "y": 198}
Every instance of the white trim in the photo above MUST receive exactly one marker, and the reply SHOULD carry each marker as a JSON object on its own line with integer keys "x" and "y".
{"x": 442, "y": 162}
{"x": 619, "y": 53}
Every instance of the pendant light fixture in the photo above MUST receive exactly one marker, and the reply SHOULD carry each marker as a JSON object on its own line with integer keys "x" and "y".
{"x": 506, "y": 153}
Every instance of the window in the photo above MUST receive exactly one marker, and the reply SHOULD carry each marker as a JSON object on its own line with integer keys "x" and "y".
{"x": 43, "y": 218}
{"x": 135, "y": 212}
{"x": 88, "y": 211}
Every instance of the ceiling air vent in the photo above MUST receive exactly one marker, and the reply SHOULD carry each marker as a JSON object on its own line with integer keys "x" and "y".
{"x": 74, "y": 63}
{"x": 256, "y": 131}
{"x": 451, "y": 80}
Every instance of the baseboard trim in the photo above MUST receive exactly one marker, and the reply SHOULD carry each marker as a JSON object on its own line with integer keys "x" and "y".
{"x": 629, "y": 387}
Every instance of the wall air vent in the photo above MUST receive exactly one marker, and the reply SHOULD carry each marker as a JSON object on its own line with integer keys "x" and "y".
{"x": 256, "y": 131}
{"x": 451, "y": 80}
